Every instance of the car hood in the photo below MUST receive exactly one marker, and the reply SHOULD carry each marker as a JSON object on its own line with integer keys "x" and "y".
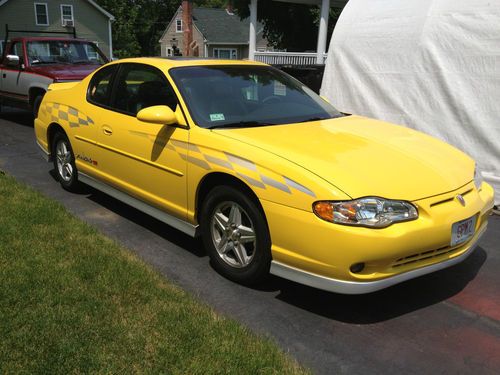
{"x": 365, "y": 157}
{"x": 65, "y": 71}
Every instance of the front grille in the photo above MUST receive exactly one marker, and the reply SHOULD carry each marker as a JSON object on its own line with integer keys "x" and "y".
{"x": 419, "y": 257}
{"x": 450, "y": 199}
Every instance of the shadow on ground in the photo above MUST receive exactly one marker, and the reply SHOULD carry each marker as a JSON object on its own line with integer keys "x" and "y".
{"x": 159, "y": 228}
{"x": 356, "y": 309}
{"x": 18, "y": 116}
{"x": 386, "y": 304}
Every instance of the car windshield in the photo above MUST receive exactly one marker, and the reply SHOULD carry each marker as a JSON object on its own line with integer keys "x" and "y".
{"x": 246, "y": 96}
{"x": 63, "y": 52}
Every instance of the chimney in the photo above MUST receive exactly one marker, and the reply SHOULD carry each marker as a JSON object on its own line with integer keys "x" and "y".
{"x": 187, "y": 26}
{"x": 229, "y": 7}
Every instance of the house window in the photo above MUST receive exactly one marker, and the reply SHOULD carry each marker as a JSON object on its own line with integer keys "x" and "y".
{"x": 226, "y": 53}
{"x": 41, "y": 14}
{"x": 67, "y": 15}
{"x": 169, "y": 51}
{"x": 91, "y": 52}
{"x": 178, "y": 26}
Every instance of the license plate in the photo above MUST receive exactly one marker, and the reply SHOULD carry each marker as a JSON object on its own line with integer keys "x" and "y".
{"x": 463, "y": 230}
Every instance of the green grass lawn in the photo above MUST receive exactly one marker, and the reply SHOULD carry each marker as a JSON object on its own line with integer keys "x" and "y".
{"x": 74, "y": 301}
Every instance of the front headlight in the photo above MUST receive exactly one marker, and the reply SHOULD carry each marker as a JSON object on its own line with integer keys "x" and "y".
{"x": 369, "y": 212}
{"x": 478, "y": 178}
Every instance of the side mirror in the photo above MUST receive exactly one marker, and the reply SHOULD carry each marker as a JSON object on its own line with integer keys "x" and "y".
{"x": 13, "y": 61}
{"x": 157, "y": 114}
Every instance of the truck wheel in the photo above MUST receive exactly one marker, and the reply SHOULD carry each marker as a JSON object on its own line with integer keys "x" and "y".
{"x": 236, "y": 236}
{"x": 64, "y": 162}
{"x": 36, "y": 104}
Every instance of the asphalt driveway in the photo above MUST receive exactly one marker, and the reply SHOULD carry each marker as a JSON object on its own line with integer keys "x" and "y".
{"x": 447, "y": 322}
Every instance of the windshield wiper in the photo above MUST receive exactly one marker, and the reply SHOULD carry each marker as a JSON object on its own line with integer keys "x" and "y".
{"x": 312, "y": 119}
{"x": 82, "y": 62}
{"x": 240, "y": 124}
{"x": 319, "y": 118}
{"x": 37, "y": 62}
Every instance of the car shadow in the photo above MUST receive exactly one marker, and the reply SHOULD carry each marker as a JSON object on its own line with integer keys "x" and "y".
{"x": 369, "y": 308}
{"x": 385, "y": 304}
{"x": 21, "y": 117}
{"x": 193, "y": 245}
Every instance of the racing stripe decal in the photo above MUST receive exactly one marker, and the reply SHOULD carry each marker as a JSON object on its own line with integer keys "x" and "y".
{"x": 66, "y": 115}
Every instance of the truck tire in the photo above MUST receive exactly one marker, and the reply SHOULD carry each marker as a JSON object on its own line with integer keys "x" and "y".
{"x": 36, "y": 104}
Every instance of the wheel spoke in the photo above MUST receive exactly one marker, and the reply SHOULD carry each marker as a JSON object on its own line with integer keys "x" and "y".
{"x": 246, "y": 234}
{"x": 68, "y": 169}
{"x": 223, "y": 246}
{"x": 241, "y": 254}
{"x": 220, "y": 221}
{"x": 235, "y": 215}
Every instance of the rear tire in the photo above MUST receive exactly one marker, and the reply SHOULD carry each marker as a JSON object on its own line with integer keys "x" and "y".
{"x": 64, "y": 162}
{"x": 236, "y": 236}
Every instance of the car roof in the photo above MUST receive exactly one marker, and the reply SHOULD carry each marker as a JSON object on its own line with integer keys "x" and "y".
{"x": 171, "y": 62}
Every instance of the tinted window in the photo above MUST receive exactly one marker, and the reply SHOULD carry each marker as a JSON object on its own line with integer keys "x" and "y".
{"x": 139, "y": 86}
{"x": 99, "y": 91}
{"x": 242, "y": 95}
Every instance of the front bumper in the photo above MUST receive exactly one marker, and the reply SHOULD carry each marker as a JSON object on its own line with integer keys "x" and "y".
{"x": 311, "y": 251}
{"x": 354, "y": 287}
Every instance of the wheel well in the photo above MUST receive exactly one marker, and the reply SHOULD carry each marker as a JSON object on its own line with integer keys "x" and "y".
{"x": 217, "y": 179}
{"x": 51, "y": 132}
{"x": 34, "y": 92}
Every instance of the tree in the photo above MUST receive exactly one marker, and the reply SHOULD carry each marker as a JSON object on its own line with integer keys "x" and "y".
{"x": 138, "y": 25}
{"x": 124, "y": 40}
{"x": 211, "y": 3}
{"x": 289, "y": 26}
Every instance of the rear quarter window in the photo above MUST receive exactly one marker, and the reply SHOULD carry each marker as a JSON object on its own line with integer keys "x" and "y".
{"x": 99, "y": 90}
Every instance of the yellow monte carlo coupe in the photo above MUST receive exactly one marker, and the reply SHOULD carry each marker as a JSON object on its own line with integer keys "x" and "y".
{"x": 271, "y": 176}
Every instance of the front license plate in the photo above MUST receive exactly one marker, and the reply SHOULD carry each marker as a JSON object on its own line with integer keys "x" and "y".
{"x": 461, "y": 231}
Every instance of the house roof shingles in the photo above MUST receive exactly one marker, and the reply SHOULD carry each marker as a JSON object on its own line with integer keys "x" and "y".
{"x": 217, "y": 26}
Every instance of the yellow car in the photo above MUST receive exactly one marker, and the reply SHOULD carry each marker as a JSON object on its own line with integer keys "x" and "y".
{"x": 271, "y": 176}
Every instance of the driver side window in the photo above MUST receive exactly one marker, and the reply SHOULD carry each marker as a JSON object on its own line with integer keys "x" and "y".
{"x": 140, "y": 86}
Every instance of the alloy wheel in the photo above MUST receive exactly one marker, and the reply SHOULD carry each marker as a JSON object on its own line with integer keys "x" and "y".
{"x": 233, "y": 234}
{"x": 63, "y": 160}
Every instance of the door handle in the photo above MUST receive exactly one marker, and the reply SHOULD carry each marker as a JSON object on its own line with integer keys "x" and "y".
{"x": 107, "y": 130}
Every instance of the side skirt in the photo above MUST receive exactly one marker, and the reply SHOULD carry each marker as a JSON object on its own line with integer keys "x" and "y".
{"x": 183, "y": 226}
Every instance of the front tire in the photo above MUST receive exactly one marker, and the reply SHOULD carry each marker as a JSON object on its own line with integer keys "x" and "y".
{"x": 236, "y": 236}
{"x": 64, "y": 162}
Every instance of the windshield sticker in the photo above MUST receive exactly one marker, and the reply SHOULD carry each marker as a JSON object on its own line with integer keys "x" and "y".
{"x": 217, "y": 117}
{"x": 279, "y": 88}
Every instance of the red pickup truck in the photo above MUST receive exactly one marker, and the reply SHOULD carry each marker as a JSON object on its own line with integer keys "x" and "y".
{"x": 31, "y": 64}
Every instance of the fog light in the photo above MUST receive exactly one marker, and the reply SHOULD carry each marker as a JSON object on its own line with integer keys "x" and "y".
{"x": 357, "y": 267}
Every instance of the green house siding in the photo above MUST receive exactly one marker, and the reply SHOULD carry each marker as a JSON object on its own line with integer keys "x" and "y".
{"x": 90, "y": 23}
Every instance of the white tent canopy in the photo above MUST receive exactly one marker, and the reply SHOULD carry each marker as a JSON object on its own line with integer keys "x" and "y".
{"x": 433, "y": 65}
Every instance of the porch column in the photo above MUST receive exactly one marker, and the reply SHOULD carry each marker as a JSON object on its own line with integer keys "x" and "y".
{"x": 323, "y": 29}
{"x": 253, "y": 30}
